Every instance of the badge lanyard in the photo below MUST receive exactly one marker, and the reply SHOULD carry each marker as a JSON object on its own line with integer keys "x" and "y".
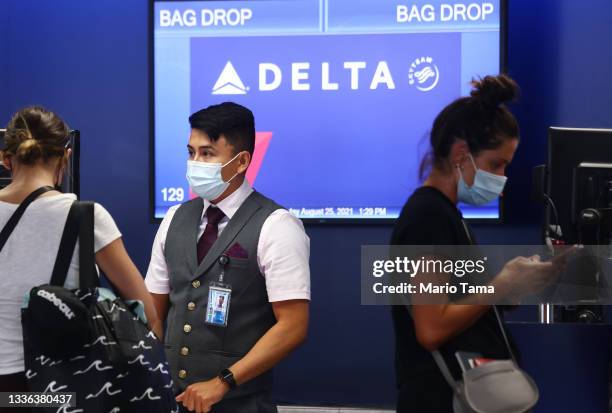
{"x": 219, "y": 297}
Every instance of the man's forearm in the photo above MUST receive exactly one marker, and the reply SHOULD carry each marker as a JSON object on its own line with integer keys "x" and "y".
{"x": 161, "y": 302}
{"x": 271, "y": 348}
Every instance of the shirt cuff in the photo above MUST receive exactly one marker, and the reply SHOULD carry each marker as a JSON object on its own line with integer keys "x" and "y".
{"x": 289, "y": 295}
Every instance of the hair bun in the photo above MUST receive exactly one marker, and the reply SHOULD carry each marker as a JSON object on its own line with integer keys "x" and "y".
{"x": 492, "y": 91}
{"x": 29, "y": 151}
{"x": 35, "y": 133}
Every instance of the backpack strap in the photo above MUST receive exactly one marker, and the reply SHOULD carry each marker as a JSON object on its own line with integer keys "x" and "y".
{"x": 14, "y": 219}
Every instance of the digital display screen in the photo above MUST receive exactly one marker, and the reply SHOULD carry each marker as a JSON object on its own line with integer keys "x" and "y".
{"x": 344, "y": 93}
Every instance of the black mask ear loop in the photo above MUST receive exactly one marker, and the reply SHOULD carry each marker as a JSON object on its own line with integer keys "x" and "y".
{"x": 4, "y": 164}
{"x": 58, "y": 187}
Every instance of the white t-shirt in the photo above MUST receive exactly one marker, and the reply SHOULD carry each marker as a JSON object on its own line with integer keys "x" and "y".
{"x": 27, "y": 260}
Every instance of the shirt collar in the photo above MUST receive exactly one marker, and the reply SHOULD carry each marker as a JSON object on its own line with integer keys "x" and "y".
{"x": 230, "y": 205}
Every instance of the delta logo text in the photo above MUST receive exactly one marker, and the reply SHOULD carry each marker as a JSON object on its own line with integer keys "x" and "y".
{"x": 423, "y": 74}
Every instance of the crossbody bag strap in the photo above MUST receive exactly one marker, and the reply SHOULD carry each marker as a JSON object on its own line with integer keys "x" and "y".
{"x": 439, "y": 359}
{"x": 14, "y": 219}
{"x": 495, "y": 310}
{"x": 437, "y": 356}
{"x": 503, "y": 331}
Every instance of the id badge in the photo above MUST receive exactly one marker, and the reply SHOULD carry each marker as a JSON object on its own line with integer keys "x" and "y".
{"x": 219, "y": 296}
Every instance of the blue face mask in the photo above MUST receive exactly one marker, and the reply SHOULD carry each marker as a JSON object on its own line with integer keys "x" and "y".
{"x": 205, "y": 178}
{"x": 486, "y": 188}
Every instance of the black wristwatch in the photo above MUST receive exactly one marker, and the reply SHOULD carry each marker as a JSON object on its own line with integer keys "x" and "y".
{"x": 227, "y": 376}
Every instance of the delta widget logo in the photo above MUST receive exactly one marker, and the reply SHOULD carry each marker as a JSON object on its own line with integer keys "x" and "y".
{"x": 229, "y": 83}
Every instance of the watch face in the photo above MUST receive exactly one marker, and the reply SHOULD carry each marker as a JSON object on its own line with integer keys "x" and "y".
{"x": 228, "y": 377}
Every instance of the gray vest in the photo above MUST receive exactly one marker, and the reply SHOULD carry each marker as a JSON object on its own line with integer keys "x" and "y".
{"x": 197, "y": 351}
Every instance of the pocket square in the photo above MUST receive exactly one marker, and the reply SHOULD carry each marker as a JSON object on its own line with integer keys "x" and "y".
{"x": 237, "y": 251}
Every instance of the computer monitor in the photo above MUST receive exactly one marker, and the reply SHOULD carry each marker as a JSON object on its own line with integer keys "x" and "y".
{"x": 579, "y": 177}
{"x": 579, "y": 188}
{"x": 71, "y": 176}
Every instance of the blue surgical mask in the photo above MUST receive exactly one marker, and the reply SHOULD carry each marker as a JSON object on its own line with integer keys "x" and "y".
{"x": 205, "y": 178}
{"x": 486, "y": 188}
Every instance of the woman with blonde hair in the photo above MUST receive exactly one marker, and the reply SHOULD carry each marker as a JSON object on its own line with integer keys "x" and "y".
{"x": 36, "y": 153}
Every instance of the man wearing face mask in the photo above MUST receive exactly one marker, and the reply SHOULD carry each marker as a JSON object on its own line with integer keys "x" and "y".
{"x": 473, "y": 139}
{"x": 229, "y": 272}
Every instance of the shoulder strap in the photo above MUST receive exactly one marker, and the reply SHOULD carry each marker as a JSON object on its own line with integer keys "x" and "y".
{"x": 14, "y": 219}
{"x": 88, "y": 274}
{"x": 439, "y": 359}
{"x": 503, "y": 331}
{"x": 437, "y": 356}
{"x": 66, "y": 247}
{"x": 467, "y": 232}
{"x": 495, "y": 310}
{"x": 79, "y": 224}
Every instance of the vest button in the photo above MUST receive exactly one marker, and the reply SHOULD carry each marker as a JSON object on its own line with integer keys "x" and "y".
{"x": 184, "y": 351}
{"x": 186, "y": 328}
{"x": 191, "y": 306}
{"x": 182, "y": 374}
{"x": 196, "y": 284}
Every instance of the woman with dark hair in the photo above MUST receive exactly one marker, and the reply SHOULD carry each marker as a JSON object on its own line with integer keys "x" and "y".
{"x": 36, "y": 153}
{"x": 473, "y": 140}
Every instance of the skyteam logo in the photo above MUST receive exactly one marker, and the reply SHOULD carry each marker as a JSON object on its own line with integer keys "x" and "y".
{"x": 424, "y": 73}
{"x": 229, "y": 83}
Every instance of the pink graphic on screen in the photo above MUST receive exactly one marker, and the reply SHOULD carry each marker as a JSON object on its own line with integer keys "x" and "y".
{"x": 262, "y": 141}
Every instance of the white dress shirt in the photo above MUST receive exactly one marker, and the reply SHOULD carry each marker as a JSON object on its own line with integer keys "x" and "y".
{"x": 283, "y": 250}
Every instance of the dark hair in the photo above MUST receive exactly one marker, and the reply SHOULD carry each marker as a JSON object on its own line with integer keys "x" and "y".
{"x": 481, "y": 120}
{"x": 235, "y": 122}
{"x": 35, "y": 133}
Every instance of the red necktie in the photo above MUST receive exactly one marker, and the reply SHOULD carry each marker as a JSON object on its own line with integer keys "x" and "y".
{"x": 214, "y": 216}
